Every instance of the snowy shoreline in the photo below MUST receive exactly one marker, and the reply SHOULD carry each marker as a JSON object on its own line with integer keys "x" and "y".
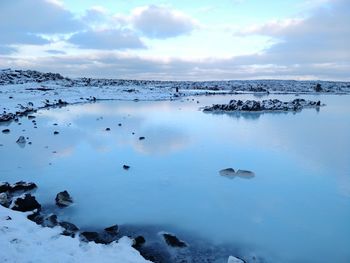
{"x": 23, "y": 92}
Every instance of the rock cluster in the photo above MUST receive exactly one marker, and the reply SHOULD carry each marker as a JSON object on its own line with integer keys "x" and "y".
{"x": 265, "y": 105}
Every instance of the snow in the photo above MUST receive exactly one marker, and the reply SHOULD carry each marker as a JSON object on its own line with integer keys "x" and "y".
{"x": 21, "y": 240}
{"x": 22, "y": 88}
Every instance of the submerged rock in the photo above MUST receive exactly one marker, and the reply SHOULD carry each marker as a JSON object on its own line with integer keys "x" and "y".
{"x": 231, "y": 173}
{"x": 126, "y": 167}
{"x": 173, "y": 241}
{"x": 63, "y": 199}
{"x": 6, "y": 131}
{"x": 25, "y": 203}
{"x": 21, "y": 140}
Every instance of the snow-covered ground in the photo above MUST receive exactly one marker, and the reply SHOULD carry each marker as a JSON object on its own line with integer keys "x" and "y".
{"x": 18, "y": 89}
{"x": 21, "y": 240}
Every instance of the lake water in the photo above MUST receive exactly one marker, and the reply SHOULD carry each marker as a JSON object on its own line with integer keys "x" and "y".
{"x": 295, "y": 209}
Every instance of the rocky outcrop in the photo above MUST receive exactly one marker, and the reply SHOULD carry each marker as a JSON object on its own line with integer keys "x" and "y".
{"x": 25, "y": 203}
{"x": 63, "y": 199}
{"x": 265, "y": 105}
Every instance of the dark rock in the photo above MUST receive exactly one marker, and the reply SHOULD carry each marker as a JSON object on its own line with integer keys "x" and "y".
{"x": 26, "y": 203}
{"x": 126, "y": 167}
{"x": 119, "y": 124}
{"x": 4, "y": 187}
{"x": 69, "y": 229}
{"x": 6, "y": 131}
{"x": 63, "y": 199}
{"x": 108, "y": 129}
{"x": 30, "y": 117}
{"x": 21, "y": 140}
{"x": 22, "y": 186}
{"x": 55, "y": 132}
{"x": 36, "y": 217}
{"x": 112, "y": 229}
{"x": 50, "y": 221}
{"x": 173, "y": 241}
{"x": 92, "y": 236}
{"x": 141, "y": 138}
{"x": 138, "y": 241}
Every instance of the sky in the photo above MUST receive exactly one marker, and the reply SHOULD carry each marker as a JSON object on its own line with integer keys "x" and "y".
{"x": 178, "y": 40}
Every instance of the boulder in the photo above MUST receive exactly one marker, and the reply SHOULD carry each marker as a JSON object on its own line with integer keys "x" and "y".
{"x": 63, "y": 199}
{"x": 25, "y": 203}
{"x": 92, "y": 237}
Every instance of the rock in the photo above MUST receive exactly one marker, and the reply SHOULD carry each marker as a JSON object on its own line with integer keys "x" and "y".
{"x": 6, "y": 131}
{"x": 4, "y": 187}
{"x": 30, "y": 117}
{"x": 55, "y": 132}
{"x": 138, "y": 241}
{"x": 112, "y": 229}
{"x": 173, "y": 241}
{"x": 265, "y": 105}
{"x": 69, "y": 229}
{"x": 245, "y": 174}
{"x": 36, "y": 217}
{"x": 92, "y": 236}
{"x": 227, "y": 172}
{"x": 63, "y": 199}
{"x": 25, "y": 203}
{"x": 21, "y": 140}
{"x": 50, "y": 221}
{"x": 108, "y": 129}
{"x": 126, "y": 167}
{"x": 5, "y": 199}
{"x": 22, "y": 186}
{"x": 119, "y": 124}
{"x": 233, "y": 259}
{"x": 141, "y": 138}
{"x": 231, "y": 173}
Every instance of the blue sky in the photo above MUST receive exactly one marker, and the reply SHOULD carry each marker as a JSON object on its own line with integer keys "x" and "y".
{"x": 181, "y": 40}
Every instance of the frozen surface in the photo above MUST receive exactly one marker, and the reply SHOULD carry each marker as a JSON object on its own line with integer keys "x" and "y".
{"x": 23, "y": 241}
{"x": 295, "y": 209}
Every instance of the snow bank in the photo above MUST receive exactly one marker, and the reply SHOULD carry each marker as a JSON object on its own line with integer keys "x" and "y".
{"x": 21, "y": 240}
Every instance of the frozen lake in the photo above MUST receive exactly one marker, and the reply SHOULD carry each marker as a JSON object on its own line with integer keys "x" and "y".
{"x": 295, "y": 209}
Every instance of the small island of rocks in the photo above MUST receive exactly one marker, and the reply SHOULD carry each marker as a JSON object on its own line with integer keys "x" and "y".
{"x": 265, "y": 105}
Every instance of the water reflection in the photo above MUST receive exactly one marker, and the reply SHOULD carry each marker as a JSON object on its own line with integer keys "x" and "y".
{"x": 301, "y": 161}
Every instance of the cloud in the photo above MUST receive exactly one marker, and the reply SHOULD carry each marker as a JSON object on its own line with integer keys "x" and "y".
{"x": 108, "y": 39}
{"x": 22, "y": 21}
{"x": 161, "y": 22}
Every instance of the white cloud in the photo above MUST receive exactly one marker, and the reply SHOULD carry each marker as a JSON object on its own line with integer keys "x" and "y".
{"x": 22, "y": 21}
{"x": 161, "y": 22}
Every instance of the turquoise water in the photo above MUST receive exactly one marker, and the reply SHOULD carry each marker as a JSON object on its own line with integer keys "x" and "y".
{"x": 295, "y": 209}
